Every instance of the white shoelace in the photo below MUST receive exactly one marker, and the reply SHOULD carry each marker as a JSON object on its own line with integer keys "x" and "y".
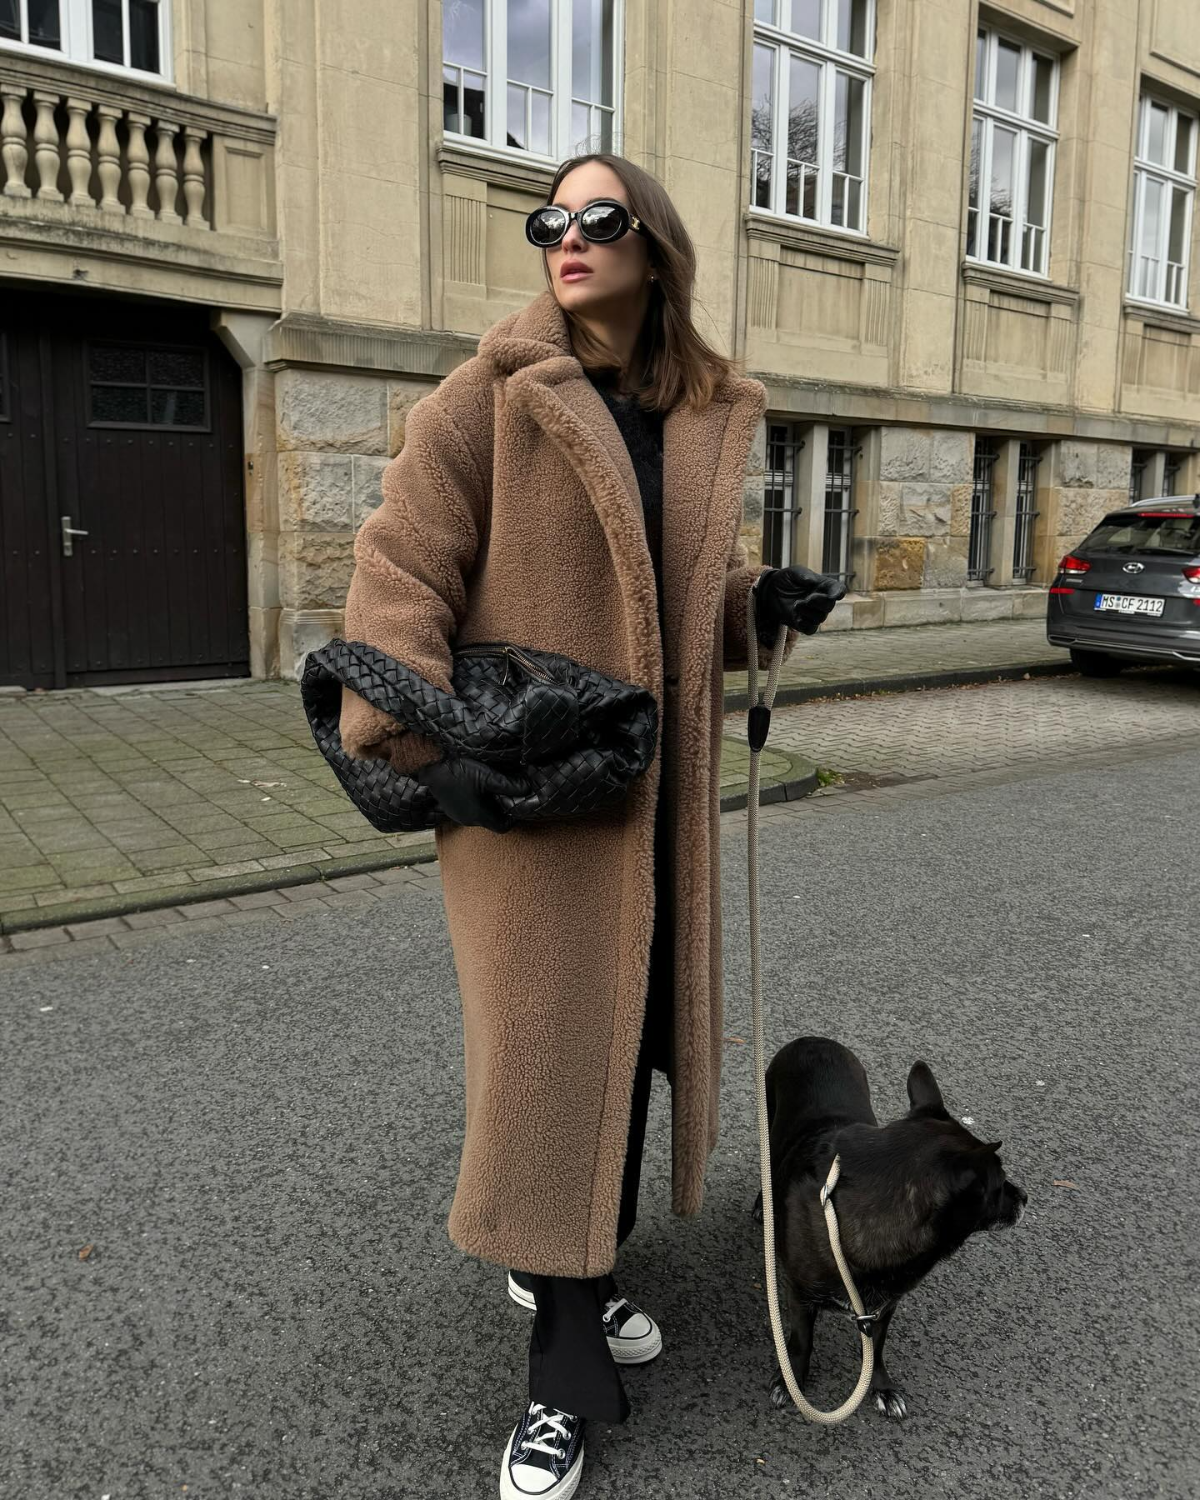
{"x": 550, "y": 1417}
{"x": 611, "y": 1307}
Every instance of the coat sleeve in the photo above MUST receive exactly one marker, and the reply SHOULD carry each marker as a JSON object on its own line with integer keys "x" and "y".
{"x": 739, "y": 579}
{"x": 412, "y": 555}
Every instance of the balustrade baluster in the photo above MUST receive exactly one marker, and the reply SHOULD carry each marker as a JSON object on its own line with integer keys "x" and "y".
{"x": 45, "y": 147}
{"x": 166, "y": 172}
{"x": 110, "y": 159}
{"x": 79, "y": 153}
{"x": 193, "y": 177}
{"x": 139, "y": 167}
{"x": 12, "y": 143}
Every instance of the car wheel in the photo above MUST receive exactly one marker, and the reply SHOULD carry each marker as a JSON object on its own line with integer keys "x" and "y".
{"x": 1095, "y": 663}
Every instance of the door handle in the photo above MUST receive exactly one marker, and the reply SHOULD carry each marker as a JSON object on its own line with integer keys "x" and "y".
{"x": 68, "y": 531}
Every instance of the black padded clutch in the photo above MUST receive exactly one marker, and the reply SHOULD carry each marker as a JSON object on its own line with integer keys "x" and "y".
{"x": 571, "y": 737}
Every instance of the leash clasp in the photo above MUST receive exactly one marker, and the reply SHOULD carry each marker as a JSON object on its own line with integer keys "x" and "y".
{"x": 866, "y": 1323}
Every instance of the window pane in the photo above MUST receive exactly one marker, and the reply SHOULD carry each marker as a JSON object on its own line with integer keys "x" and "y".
{"x": 516, "y": 116}
{"x": 1043, "y": 89}
{"x": 118, "y": 403}
{"x": 177, "y": 367}
{"x": 848, "y": 125}
{"x": 764, "y": 10}
{"x": 806, "y": 18}
{"x": 1008, "y": 62}
{"x": 981, "y": 65}
{"x": 1003, "y": 144}
{"x": 177, "y": 408}
{"x": 44, "y": 27}
{"x": 108, "y": 40}
{"x": 1183, "y": 144}
{"x": 592, "y": 50}
{"x": 529, "y": 41}
{"x": 973, "y": 188}
{"x": 852, "y": 27}
{"x": 1147, "y": 278}
{"x": 803, "y": 124}
{"x": 1035, "y": 207}
{"x": 143, "y": 35}
{"x": 540, "y": 129}
{"x": 761, "y": 117}
{"x": 462, "y": 32}
{"x": 1156, "y": 143}
{"x": 473, "y": 97}
{"x": 115, "y": 362}
{"x": 10, "y": 19}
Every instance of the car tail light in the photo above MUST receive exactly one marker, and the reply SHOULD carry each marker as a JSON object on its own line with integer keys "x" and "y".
{"x": 1062, "y": 591}
{"x": 1192, "y": 575}
{"x": 1072, "y": 564}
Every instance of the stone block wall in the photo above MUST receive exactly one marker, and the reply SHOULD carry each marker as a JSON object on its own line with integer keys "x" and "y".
{"x": 335, "y": 434}
{"x": 918, "y": 509}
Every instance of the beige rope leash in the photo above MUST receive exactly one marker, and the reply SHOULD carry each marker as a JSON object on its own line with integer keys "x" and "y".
{"x": 760, "y": 719}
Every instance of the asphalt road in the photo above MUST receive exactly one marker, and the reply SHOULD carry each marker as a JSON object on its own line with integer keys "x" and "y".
{"x": 257, "y": 1130}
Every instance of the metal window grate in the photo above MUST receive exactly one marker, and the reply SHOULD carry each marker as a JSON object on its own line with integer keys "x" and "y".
{"x": 839, "y": 512}
{"x": 979, "y": 544}
{"x": 780, "y": 507}
{"x": 1137, "y": 474}
{"x": 1027, "y": 467}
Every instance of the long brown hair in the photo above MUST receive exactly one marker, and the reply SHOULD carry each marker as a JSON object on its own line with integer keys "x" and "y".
{"x": 670, "y": 361}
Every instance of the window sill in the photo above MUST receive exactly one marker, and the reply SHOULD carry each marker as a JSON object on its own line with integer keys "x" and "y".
{"x": 1160, "y": 315}
{"x": 844, "y": 244}
{"x": 454, "y": 156}
{"x": 1018, "y": 283}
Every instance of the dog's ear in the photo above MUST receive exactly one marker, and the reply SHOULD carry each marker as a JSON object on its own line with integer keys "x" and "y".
{"x": 923, "y": 1092}
{"x": 993, "y": 1146}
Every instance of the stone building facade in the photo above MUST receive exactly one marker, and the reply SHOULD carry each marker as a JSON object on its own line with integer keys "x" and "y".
{"x": 240, "y": 238}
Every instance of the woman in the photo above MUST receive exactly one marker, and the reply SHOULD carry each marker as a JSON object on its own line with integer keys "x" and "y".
{"x": 576, "y": 486}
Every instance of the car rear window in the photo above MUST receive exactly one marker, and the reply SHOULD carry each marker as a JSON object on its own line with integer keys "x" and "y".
{"x": 1149, "y": 533}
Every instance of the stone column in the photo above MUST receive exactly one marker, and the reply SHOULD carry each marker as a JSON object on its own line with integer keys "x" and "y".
{"x": 1005, "y": 474}
{"x": 808, "y": 528}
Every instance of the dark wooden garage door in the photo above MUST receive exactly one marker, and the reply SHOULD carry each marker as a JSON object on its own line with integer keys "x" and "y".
{"x": 122, "y": 523}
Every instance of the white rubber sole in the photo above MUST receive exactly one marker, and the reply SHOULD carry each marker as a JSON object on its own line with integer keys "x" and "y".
{"x": 624, "y": 1351}
{"x": 566, "y": 1486}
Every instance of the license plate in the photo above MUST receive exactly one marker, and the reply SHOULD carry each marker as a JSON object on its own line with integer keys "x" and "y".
{"x": 1129, "y": 604}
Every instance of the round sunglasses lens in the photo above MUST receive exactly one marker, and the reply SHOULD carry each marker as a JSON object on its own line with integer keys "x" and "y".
{"x": 546, "y": 226}
{"x": 602, "y": 221}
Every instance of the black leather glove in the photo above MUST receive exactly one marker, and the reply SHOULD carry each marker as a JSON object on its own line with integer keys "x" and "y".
{"x": 465, "y": 790}
{"x": 793, "y": 596}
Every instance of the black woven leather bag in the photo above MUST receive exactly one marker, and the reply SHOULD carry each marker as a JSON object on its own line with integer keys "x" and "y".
{"x": 572, "y": 738}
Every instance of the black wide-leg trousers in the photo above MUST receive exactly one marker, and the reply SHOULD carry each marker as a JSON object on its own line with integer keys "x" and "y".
{"x": 570, "y": 1364}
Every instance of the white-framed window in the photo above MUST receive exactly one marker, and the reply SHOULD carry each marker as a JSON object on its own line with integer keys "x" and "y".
{"x": 1164, "y": 191}
{"x": 557, "y": 62}
{"x": 122, "y": 36}
{"x": 811, "y": 110}
{"x": 1013, "y": 135}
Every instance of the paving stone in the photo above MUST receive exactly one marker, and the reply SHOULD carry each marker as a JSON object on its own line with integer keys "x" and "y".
{"x": 163, "y": 916}
{"x": 194, "y": 910}
{"x": 40, "y": 937}
{"x": 253, "y": 899}
{"x": 102, "y": 927}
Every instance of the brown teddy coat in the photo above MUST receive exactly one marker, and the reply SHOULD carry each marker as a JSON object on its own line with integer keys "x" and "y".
{"x": 512, "y": 512}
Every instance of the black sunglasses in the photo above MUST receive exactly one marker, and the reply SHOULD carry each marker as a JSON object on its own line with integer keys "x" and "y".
{"x": 601, "y": 221}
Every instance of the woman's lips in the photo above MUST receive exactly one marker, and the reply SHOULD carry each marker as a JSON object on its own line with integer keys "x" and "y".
{"x": 575, "y": 275}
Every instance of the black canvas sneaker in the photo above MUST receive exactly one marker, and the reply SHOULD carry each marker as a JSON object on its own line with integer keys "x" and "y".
{"x": 633, "y": 1335}
{"x": 544, "y": 1457}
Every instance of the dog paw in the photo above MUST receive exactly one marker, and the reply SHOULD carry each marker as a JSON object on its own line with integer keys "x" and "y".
{"x": 756, "y": 1213}
{"x": 780, "y": 1395}
{"x": 892, "y": 1403}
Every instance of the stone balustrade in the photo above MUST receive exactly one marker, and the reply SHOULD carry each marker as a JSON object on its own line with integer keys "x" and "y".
{"x": 115, "y": 153}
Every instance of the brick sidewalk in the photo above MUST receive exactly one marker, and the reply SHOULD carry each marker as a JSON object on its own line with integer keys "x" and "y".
{"x": 855, "y": 661}
{"x": 123, "y": 800}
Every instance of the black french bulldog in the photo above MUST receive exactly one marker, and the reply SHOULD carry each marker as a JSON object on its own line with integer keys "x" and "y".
{"x": 908, "y": 1195}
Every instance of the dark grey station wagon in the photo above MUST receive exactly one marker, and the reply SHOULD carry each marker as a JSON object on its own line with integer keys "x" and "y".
{"x": 1131, "y": 590}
